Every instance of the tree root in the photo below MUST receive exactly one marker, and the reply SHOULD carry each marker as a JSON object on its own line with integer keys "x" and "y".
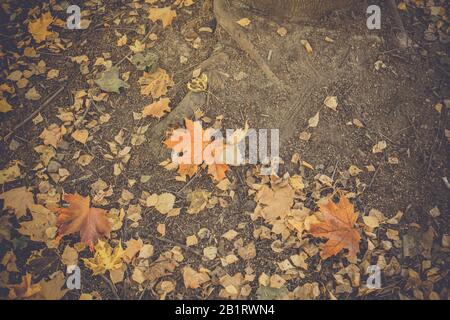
{"x": 227, "y": 21}
{"x": 402, "y": 38}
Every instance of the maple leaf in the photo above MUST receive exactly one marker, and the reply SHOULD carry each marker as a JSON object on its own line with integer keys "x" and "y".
{"x": 39, "y": 28}
{"x": 337, "y": 225}
{"x": 18, "y": 199}
{"x": 189, "y": 143}
{"x": 166, "y": 15}
{"x": 92, "y": 223}
{"x": 155, "y": 84}
{"x": 105, "y": 258}
{"x": 157, "y": 109}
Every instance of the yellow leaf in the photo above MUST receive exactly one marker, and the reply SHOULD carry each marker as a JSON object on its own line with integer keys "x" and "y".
{"x": 307, "y": 46}
{"x": 4, "y": 105}
{"x": 105, "y": 258}
{"x": 10, "y": 174}
{"x": 80, "y": 135}
{"x": 244, "y": 22}
{"x": 122, "y": 41}
{"x": 314, "y": 121}
{"x": 157, "y": 109}
{"x": 39, "y": 28}
{"x": 166, "y": 15}
{"x": 282, "y": 31}
{"x": 155, "y": 84}
{"x": 402, "y": 6}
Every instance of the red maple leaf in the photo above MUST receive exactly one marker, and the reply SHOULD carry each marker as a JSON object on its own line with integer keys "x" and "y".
{"x": 79, "y": 217}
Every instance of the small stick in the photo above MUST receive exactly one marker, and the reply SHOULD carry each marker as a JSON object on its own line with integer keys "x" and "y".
{"x": 111, "y": 285}
{"x": 178, "y": 244}
{"x": 34, "y": 113}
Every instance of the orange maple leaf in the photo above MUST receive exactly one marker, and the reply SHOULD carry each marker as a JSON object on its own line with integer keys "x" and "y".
{"x": 90, "y": 222}
{"x": 337, "y": 226}
{"x": 190, "y": 144}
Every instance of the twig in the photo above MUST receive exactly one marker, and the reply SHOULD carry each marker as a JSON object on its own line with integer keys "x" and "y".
{"x": 178, "y": 244}
{"x": 34, "y": 113}
{"x": 190, "y": 181}
{"x": 111, "y": 285}
{"x": 373, "y": 178}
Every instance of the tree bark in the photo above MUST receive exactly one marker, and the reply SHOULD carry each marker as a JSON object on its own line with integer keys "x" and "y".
{"x": 295, "y": 10}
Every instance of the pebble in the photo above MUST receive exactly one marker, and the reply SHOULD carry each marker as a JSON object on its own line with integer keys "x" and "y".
{"x": 53, "y": 166}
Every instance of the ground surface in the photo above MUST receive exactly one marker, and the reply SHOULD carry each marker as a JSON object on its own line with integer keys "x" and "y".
{"x": 399, "y": 96}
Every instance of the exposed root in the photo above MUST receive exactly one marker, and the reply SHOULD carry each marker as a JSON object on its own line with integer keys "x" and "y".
{"x": 227, "y": 21}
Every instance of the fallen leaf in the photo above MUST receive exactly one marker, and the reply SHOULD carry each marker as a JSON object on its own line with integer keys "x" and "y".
{"x": 39, "y": 27}
{"x": 165, "y": 203}
{"x": 79, "y": 217}
{"x": 244, "y": 22}
{"x": 110, "y": 81}
{"x": 105, "y": 258}
{"x": 42, "y": 228}
{"x": 10, "y": 173}
{"x": 193, "y": 279}
{"x": 18, "y": 199}
{"x": 80, "y": 135}
{"x": 282, "y": 31}
{"x": 314, "y": 121}
{"x": 4, "y": 105}
{"x": 23, "y": 290}
{"x": 157, "y": 109}
{"x": 307, "y": 46}
{"x": 338, "y": 226}
{"x": 166, "y": 15}
{"x": 155, "y": 84}
{"x": 331, "y": 102}
{"x": 379, "y": 147}
{"x": 198, "y": 200}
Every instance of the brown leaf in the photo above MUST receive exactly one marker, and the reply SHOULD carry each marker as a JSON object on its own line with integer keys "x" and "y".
{"x": 18, "y": 200}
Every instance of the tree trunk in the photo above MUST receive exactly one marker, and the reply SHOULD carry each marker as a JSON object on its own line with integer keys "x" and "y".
{"x": 295, "y": 10}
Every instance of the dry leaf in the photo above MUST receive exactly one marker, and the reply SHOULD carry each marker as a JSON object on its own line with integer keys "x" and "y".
{"x": 80, "y": 135}
{"x": 331, "y": 102}
{"x": 18, "y": 199}
{"x": 39, "y": 28}
{"x": 314, "y": 121}
{"x": 79, "y": 217}
{"x": 155, "y": 84}
{"x": 193, "y": 279}
{"x": 166, "y": 15}
{"x": 338, "y": 226}
{"x": 244, "y": 22}
{"x": 157, "y": 109}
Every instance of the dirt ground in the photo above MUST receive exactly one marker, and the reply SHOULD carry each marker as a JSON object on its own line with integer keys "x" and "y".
{"x": 393, "y": 92}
